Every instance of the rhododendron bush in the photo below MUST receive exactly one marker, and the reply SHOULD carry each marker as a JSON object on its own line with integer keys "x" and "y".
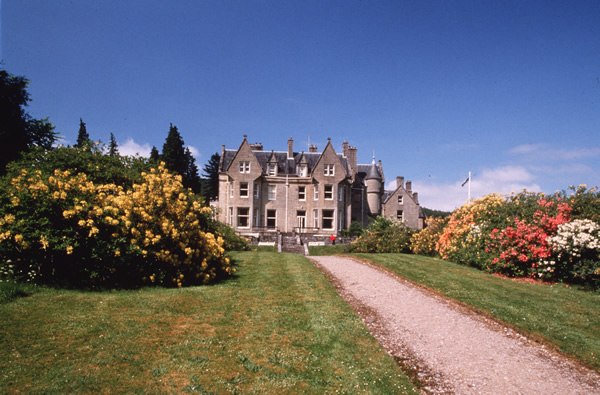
{"x": 548, "y": 237}
{"x": 62, "y": 228}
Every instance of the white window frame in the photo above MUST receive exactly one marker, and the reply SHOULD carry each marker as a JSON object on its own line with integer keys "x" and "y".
{"x": 302, "y": 192}
{"x": 241, "y": 216}
{"x": 316, "y": 192}
{"x": 400, "y": 199}
{"x": 329, "y": 170}
{"x": 340, "y": 193}
{"x": 332, "y": 219}
{"x": 244, "y": 166}
{"x": 231, "y": 190}
{"x": 302, "y": 170}
{"x": 401, "y": 216}
{"x": 244, "y": 190}
{"x": 272, "y": 192}
{"x": 271, "y": 169}
{"x": 316, "y": 218}
{"x": 272, "y": 217}
{"x": 230, "y": 219}
{"x": 255, "y": 217}
{"x": 325, "y": 193}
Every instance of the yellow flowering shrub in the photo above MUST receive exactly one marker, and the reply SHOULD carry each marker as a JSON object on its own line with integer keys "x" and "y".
{"x": 64, "y": 228}
{"x": 424, "y": 241}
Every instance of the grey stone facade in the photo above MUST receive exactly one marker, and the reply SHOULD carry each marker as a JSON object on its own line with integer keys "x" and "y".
{"x": 321, "y": 193}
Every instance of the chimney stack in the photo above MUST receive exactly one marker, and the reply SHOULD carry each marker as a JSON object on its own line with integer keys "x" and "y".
{"x": 290, "y": 148}
{"x": 408, "y": 187}
{"x": 312, "y": 148}
{"x": 399, "y": 182}
{"x": 353, "y": 159}
{"x": 416, "y": 197}
{"x": 345, "y": 148}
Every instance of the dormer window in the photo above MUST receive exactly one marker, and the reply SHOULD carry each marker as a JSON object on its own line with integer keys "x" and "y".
{"x": 302, "y": 170}
{"x": 329, "y": 170}
{"x": 272, "y": 169}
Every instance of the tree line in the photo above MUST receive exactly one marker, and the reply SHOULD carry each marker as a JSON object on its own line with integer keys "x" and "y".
{"x": 20, "y": 133}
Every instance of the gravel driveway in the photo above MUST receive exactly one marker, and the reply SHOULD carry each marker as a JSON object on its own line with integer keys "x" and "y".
{"x": 447, "y": 348}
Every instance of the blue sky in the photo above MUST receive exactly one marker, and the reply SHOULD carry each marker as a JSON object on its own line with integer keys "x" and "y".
{"x": 509, "y": 90}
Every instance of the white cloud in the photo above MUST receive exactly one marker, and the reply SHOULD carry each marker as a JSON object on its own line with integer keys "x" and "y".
{"x": 194, "y": 151}
{"x": 448, "y": 196}
{"x": 543, "y": 150}
{"x": 131, "y": 148}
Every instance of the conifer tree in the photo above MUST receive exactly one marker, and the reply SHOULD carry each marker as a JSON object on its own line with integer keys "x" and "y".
{"x": 211, "y": 172}
{"x": 173, "y": 152}
{"x": 83, "y": 137}
{"x": 191, "y": 179}
{"x": 18, "y": 130}
{"x": 113, "y": 147}
{"x": 154, "y": 155}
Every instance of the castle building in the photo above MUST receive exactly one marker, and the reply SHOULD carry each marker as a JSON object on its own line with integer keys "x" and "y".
{"x": 313, "y": 192}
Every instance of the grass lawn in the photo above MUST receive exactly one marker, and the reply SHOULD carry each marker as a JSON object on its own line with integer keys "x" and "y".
{"x": 278, "y": 327}
{"x": 566, "y": 317}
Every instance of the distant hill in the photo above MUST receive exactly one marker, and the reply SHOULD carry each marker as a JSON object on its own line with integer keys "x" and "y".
{"x": 435, "y": 213}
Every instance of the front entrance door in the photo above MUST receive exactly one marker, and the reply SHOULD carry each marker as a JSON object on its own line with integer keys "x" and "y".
{"x": 301, "y": 220}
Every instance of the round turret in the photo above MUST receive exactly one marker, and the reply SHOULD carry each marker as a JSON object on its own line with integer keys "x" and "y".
{"x": 373, "y": 181}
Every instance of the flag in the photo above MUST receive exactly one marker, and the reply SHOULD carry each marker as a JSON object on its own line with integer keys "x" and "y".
{"x": 467, "y": 180}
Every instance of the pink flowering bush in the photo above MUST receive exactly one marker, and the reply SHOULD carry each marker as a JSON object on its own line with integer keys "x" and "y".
{"x": 519, "y": 248}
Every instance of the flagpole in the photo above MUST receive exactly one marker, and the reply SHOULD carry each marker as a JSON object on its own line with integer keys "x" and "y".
{"x": 469, "y": 195}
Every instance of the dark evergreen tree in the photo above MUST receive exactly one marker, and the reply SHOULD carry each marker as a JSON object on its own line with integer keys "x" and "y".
{"x": 154, "y": 155}
{"x": 173, "y": 152}
{"x": 83, "y": 137}
{"x": 113, "y": 147}
{"x": 18, "y": 130}
{"x": 191, "y": 178}
{"x": 211, "y": 173}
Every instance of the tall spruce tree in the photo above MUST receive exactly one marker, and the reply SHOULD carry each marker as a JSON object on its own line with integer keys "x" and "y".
{"x": 154, "y": 155}
{"x": 210, "y": 189}
{"x": 173, "y": 152}
{"x": 83, "y": 137}
{"x": 113, "y": 147}
{"x": 18, "y": 130}
{"x": 191, "y": 178}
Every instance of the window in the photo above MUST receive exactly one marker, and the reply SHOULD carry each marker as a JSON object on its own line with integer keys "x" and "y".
{"x": 316, "y": 197}
{"x": 340, "y": 219}
{"x": 271, "y": 218}
{"x": 329, "y": 170}
{"x": 301, "y": 193}
{"x": 340, "y": 193}
{"x": 272, "y": 192}
{"x": 328, "y": 219}
{"x": 316, "y": 218}
{"x": 400, "y": 199}
{"x": 243, "y": 217}
{"x": 244, "y": 167}
{"x": 230, "y": 219}
{"x": 256, "y": 191}
{"x": 400, "y": 214}
{"x": 244, "y": 189}
{"x": 231, "y": 193}
{"x": 302, "y": 171}
{"x": 255, "y": 218}
{"x": 272, "y": 169}
{"x": 329, "y": 192}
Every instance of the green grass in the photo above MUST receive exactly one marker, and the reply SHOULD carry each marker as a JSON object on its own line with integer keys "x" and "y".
{"x": 565, "y": 317}
{"x": 327, "y": 250}
{"x": 278, "y": 327}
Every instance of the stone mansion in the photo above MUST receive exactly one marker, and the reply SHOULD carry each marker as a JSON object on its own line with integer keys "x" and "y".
{"x": 312, "y": 192}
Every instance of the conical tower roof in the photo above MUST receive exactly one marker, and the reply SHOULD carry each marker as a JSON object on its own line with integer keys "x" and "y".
{"x": 373, "y": 172}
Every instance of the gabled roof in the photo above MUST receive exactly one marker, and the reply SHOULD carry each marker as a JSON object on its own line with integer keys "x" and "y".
{"x": 284, "y": 165}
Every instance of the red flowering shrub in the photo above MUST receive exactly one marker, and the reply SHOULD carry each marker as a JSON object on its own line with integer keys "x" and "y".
{"x": 519, "y": 248}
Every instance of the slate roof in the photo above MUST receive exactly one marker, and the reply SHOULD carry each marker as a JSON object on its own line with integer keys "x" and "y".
{"x": 284, "y": 165}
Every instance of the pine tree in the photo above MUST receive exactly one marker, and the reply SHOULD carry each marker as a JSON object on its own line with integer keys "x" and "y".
{"x": 154, "y": 155}
{"x": 211, "y": 172}
{"x": 83, "y": 137}
{"x": 113, "y": 147}
{"x": 18, "y": 130}
{"x": 191, "y": 179}
{"x": 173, "y": 152}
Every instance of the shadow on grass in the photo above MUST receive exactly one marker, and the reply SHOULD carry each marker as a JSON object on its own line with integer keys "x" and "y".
{"x": 10, "y": 291}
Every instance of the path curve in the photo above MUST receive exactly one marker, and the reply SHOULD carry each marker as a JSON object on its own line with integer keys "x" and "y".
{"x": 449, "y": 349}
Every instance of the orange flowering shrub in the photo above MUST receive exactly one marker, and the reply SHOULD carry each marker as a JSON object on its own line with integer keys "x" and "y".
{"x": 461, "y": 240}
{"x": 424, "y": 241}
{"x": 63, "y": 228}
